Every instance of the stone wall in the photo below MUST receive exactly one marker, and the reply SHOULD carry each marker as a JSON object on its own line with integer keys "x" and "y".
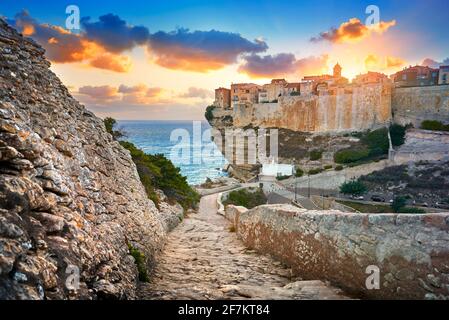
{"x": 423, "y": 145}
{"x": 70, "y": 196}
{"x": 365, "y": 107}
{"x": 416, "y": 104}
{"x": 331, "y": 180}
{"x": 411, "y": 251}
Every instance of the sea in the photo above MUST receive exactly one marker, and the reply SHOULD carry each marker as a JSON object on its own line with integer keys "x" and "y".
{"x": 187, "y": 143}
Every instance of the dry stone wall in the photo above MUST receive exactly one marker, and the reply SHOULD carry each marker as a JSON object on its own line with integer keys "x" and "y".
{"x": 70, "y": 196}
{"x": 416, "y": 104}
{"x": 411, "y": 251}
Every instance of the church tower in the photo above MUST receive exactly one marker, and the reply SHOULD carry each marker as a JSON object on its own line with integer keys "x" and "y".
{"x": 337, "y": 71}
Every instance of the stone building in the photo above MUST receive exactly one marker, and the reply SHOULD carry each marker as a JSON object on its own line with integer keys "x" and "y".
{"x": 222, "y": 98}
{"x": 243, "y": 93}
{"x": 274, "y": 89}
{"x": 371, "y": 77}
{"x": 443, "y": 75}
{"x": 416, "y": 76}
{"x": 293, "y": 88}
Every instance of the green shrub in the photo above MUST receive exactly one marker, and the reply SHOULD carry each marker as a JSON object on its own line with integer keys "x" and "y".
{"x": 411, "y": 210}
{"x": 350, "y": 155}
{"x": 209, "y": 113}
{"x": 280, "y": 178}
{"x": 434, "y": 125}
{"x": 353, "y": 187}
{"x": 140, "y": 261}
{"x": 246, "y": 199}
{"x": 376, "y": 141}
{"x": 158, "y": 172}
{"x": 397, "y": 134}
{"x": 339, "y": 168}
{"x": 327, "y": 167}
{"x": 398, "y": 203}
{"x": 315, "y": 171}
{"x": 316, "y": 155}
{"x": 299, "y": 172}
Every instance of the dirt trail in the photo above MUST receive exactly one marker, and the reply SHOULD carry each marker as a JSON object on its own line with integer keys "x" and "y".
{"x": 204, "y": 260}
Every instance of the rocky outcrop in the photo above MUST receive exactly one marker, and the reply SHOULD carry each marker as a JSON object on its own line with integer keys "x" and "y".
{"x": 409, "y": 251}
{"x": 70, "y": 196}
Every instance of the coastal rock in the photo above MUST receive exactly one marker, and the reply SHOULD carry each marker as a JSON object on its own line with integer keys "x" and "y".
{"x": 70, "y": 197}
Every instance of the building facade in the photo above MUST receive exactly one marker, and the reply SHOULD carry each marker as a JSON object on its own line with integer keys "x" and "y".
{"x": 242, "y": 93}
{"x": 371, "y": 77}
{"x": 274, "y": 89}
{"x": 443, "y": 75}
{"x": 222, "y": 98}
{"x": 416, "y": 76}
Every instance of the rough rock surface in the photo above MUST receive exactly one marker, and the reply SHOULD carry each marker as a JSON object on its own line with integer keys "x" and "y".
{"x": 203, "y": 259}
{"x": 410, "y": 250}
{"x": 70, "y": 196}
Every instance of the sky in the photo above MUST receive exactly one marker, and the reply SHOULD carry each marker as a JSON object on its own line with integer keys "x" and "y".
{"x": 162, "y": 60}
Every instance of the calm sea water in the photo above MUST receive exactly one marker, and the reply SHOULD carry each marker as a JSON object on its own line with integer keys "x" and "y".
{"x": 197, "y": 162}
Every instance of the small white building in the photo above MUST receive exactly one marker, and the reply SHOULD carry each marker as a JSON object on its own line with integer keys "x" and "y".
{"x": 276, "y": 169}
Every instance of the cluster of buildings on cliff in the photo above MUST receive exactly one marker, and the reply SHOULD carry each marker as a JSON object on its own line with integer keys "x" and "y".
{"x": 250, "y": 93}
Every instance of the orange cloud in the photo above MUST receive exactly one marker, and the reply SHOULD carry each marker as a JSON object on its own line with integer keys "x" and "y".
{"x": 178, "y": 58}
{"x": 375, "y": 63}
{"x": 393, "y": 62}
{"x": 132, "y": 95}
{"x": 112, "y": 62}
{"x": 62, "y": 46}
{"x": 353, "y": 31}
{"x": 28, "y": 30}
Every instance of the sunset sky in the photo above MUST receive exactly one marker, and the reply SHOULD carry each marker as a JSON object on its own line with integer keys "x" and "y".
{"x": 162, "y": 59}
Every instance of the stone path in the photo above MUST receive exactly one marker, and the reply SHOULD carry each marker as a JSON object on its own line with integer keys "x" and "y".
{"x": 203, "y": 259}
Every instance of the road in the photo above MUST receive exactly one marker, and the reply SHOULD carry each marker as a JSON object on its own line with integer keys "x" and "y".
{"x": 203, "y": 259}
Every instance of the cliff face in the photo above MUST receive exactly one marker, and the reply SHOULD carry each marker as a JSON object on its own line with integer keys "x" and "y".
{"x": 362, "y": 108}
{"x": 70, "y": 196}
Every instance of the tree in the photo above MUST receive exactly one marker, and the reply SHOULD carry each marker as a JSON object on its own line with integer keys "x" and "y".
{"x": 353, "y": 187}
{"x": 398, "y": 204}
{"x": 299, "y": 172}
{"x": 209, "y": 113}
{"x": 110, "y": 123}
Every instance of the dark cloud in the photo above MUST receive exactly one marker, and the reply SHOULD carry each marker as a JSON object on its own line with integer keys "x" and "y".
{"x": 281, "y": 65}
{"x": 352, "y": 30}
{"x": 200, "y": 50}
{"x": 61, "y": 46}
{"x": 114, "y": 33}
{"x": 100, "y": 42}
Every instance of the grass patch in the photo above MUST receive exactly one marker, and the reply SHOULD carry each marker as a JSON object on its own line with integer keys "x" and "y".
{"x": 316, "y": 155}
{"x": 315, "y": 171}
{"x": 367, "y": 208}
{"x": 434, "y": 125}
{"x": 139, "y": 259}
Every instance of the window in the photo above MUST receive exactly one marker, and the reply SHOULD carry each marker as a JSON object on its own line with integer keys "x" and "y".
{"x": 247, "y": 91}
{"x": 404, "y": 77}
{"x": 445, "y": 78}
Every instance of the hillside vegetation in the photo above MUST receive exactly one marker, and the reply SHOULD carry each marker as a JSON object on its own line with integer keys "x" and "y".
{"x": 156, "y": 172}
